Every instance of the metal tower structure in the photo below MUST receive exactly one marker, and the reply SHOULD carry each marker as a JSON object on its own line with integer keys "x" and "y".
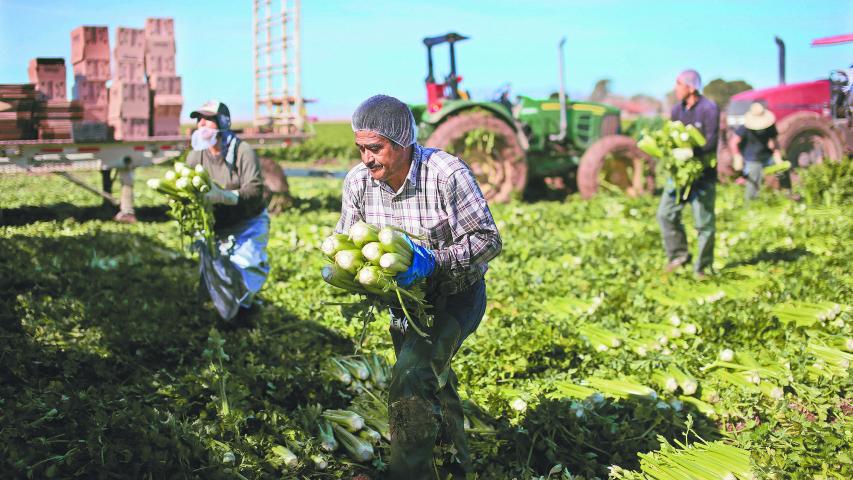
{"x": 279, "y": 105}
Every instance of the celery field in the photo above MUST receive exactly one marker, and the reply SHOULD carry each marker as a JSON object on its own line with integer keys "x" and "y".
{"x": 590, "y": 362}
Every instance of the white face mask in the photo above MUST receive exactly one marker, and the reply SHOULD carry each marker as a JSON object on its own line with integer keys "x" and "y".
{"x": 204, "y": 138}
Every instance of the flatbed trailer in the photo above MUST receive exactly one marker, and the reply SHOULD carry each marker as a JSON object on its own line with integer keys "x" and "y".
{"x": 64, "y": 157}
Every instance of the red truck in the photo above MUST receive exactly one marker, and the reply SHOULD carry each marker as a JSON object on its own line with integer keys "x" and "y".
{"x": 814, "y": 119}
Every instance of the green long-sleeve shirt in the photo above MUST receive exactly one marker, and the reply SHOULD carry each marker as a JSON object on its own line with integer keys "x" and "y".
{"x": 244, "y": 176}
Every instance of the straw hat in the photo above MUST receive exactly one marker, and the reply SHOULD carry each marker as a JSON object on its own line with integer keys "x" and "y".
{"x": 758, "y": 117}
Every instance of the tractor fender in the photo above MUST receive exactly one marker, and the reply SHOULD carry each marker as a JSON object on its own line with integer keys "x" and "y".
{"x": 457, "y": 107}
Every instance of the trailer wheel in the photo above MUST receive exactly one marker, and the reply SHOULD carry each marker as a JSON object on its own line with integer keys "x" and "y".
{"x": 276, "y": 189}
{"x": 615, "y": 161}
{"x": 500, "y": 166}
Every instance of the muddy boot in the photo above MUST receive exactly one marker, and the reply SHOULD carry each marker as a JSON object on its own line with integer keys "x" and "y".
{"x": 413, "y": 433}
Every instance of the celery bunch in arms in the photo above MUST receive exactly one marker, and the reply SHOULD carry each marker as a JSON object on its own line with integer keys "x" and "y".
{"x": 185, "y": 188}
{"x": 366, "y": 260}
{"x": 673, "y": 145}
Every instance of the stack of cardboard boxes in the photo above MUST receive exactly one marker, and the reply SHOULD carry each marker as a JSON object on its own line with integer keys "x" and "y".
{"x": 129, "y": 97}
{"x": 165, "y": 99}
{"x": 48, "y": 75}
{"x": 144, "y": 98}
{"x": 90, "y": 56}
{"x": 52, "y": 113}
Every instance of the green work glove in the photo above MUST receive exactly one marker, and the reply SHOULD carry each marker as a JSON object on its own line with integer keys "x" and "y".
{"x": 218, "y": 194}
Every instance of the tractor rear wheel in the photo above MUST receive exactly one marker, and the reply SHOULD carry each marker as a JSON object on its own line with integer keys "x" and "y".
{"x": 615, "y": 160}
{"x": 808, "y": 139}
{"x": 725, "y": 163}
{"x": 725, "y": 159}
{"x": 490, "y": 147}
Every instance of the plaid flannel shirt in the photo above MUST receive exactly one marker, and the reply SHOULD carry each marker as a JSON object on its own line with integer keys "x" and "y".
{"x": 441, "y": 203}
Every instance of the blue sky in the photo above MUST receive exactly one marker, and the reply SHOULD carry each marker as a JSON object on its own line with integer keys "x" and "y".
{"x": 353, "y": 49}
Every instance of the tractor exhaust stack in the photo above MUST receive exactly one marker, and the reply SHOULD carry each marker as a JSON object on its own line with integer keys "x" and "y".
{"x": 781, "y": 45}
{"x": 563, "y": 122}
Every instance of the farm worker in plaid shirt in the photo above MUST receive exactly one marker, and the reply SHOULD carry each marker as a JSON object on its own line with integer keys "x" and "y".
{"x": 433, "y": 196}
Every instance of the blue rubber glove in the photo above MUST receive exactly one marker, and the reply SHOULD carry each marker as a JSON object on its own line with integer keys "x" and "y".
{"x": 423, "y": 264}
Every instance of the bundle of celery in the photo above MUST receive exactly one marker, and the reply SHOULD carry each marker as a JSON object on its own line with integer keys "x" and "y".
{"x": 829, "y": 361}
{"x": 777, "y": 168}
{"x": 674, "y": 378}
{"x": 185, "y": 188}
{"x": 711, "y": 461}
{"x": 374, "y": 411}
{"x": 807, "y": 314}
{"x": 365, "y": 261}
{"x": 567, "y": 389}
{"x": 347, "y": 428}
{"x": 600, "y": 338}
{"x": 361, "y": 372}
{"x": 625, "y": 387}
{"x": 742, "y": 371}
{"x": 670, "y": 144}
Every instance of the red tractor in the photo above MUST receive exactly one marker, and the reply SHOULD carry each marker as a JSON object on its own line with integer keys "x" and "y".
{"x": 814, "y": 119}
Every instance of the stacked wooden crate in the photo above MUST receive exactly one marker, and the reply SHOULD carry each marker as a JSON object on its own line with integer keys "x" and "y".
{"x": 55, "y": 118}
{"x": 17, "y": 102}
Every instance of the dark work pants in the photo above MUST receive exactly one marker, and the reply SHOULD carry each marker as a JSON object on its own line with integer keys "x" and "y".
{"x": 423, "y": 401}
{"x": 702, "y": 200}
{"x": 754, "y": 174}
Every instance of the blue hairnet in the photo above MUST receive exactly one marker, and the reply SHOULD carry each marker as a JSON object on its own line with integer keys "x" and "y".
{"x": 388, "y": 117}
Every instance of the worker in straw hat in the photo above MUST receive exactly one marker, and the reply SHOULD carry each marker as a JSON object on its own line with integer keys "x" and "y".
{"x": 755, "y": 145}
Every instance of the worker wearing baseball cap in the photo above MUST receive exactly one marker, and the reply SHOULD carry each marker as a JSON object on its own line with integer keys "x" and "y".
{"x": 755, "y": 145}
{"x": 239, "y": 266}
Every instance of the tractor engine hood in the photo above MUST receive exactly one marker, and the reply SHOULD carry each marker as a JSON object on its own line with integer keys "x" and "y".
{"x": 782, "y": 100}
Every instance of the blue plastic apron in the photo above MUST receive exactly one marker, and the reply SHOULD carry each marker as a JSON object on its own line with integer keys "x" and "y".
{"x": 239, "y": 269}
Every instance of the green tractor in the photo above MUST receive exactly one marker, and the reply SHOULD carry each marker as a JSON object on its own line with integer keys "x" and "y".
{"x": 516, "y": 147}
